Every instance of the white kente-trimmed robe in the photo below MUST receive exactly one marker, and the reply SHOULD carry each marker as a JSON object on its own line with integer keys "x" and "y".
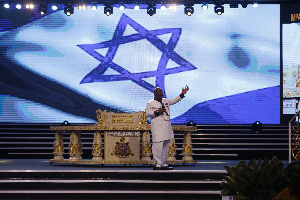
{"x": 161, "y": 126}
{"x": 161, "y": 129}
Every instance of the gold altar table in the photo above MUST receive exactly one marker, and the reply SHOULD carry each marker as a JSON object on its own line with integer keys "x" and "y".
{"x": 126, "y": 141}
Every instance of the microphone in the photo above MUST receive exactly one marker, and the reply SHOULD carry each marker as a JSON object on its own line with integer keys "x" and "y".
{"x": 163, "y": 106}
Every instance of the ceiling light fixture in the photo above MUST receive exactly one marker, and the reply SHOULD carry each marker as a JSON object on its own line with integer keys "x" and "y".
{"x": 151, "y": 9}
{"x": 54, "y": 7}
{"x": 43, "y": 8}
{"x": 219, "y": 9}
{"x": 108, "y": 10}
{"x": 204, "y": 6}
{"x": 173, "y": 7}
{"x": 82, "y": 6}
{"x": 122, "y": 7}
{"x": 233, "y": 5}
{"x": 244, "y": 4}
{"x": 188, "y": 9}
{"x": 69, "y": 9}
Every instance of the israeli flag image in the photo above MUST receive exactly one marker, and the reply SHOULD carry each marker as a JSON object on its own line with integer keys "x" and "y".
{"x": 65, "y": 67}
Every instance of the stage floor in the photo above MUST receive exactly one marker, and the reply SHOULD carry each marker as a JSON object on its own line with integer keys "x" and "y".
{"x": 42, "y": 164}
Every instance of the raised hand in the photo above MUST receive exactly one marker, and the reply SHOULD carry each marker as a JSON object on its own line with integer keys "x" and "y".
{"x": 184, "y": 90}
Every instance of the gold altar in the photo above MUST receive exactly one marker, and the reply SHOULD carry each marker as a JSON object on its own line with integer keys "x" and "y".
{"x": 126, "y": 141}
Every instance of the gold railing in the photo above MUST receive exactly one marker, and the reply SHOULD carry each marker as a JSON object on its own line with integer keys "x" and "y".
{"x": 294, "y": 143}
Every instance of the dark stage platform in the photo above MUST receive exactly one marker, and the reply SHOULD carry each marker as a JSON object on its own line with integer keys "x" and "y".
{"x": 37, "y": 179}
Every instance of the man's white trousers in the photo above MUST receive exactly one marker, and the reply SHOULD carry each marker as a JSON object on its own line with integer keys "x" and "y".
{"x": 160, "y": 152}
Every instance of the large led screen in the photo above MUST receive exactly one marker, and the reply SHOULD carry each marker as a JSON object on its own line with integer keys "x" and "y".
{"x": 57, "y": 67}
{"x": 291, "y": 66}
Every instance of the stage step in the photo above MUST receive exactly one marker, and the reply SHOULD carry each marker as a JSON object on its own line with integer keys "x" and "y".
{"x": 110, "y": 194}
{"x": 111, "y": 184}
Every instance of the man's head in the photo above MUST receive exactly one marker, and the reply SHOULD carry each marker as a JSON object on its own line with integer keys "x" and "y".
{"x": 158, "y": 94}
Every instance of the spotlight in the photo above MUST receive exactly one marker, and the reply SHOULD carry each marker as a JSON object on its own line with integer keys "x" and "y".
{"x": 219, "y": 9}
{"x": 94, "y": 7}
{"x": 43, "y": 9}
{"x": 244, "y": 4}
{"x": 188, "y": 9}
{"x": 191, "y": 123}
{"x": 255, "y": 5}
{"x": 256, "y": 127}
{"x": 82, "y": 6}
{"x": 173, "y": 7}
{"x": 69, "y": 10}
{"x": 6, "y": 5}
{"x": 204, "y": 6}
{"x": 29, "y": 6}
{"x": 18, "y": 6}
{"x": 65, "y": 123}
{"x": 136, "y": 7}
{"x": 163, "y": 7}
{"x": 151, "y": 9}
{"x": 54, "y": 7}
{"x": 234, "y": 5}
{"x": 122, "y": 7}
{"x": 108, "y": 10}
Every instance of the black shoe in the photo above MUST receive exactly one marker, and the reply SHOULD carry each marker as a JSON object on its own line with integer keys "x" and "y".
{"x": 167, "y": 168}
{"x": 156, "y": 168}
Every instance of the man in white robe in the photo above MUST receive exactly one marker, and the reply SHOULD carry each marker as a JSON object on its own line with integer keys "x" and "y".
{"x": 158, "y": 109}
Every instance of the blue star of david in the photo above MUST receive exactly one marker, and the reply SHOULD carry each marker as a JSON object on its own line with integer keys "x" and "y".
{"x": 167, "y": 50}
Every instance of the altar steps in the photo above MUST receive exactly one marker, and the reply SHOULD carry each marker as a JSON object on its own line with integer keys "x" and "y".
{"x": 111, "y": 184}
{"x": 210, "y": 142}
